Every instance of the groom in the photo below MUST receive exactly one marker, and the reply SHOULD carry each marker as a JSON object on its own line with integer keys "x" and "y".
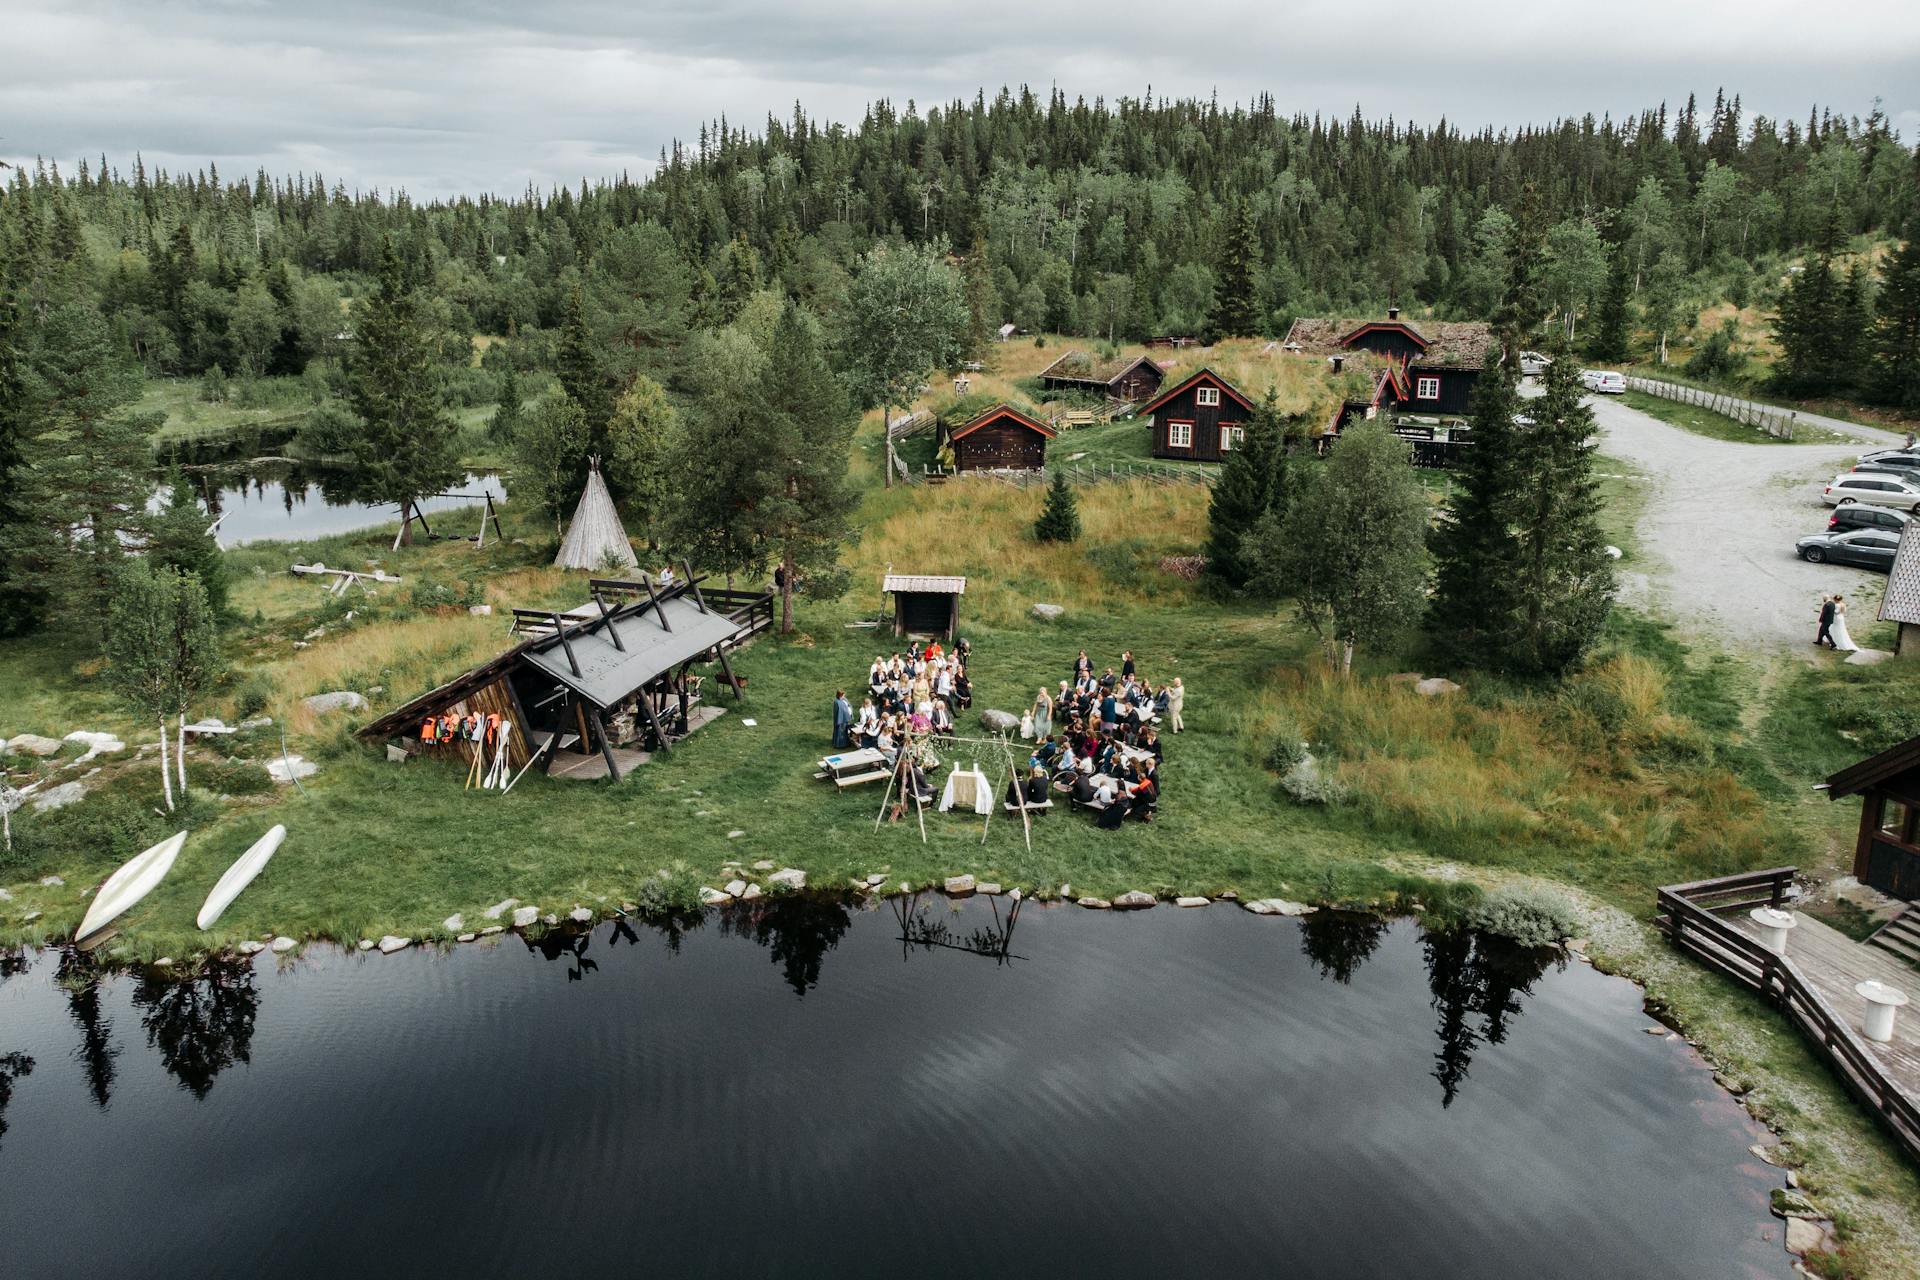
{"x": 1825, "y": 634}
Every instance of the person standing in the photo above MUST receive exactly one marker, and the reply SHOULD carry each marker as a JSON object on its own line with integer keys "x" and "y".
{"x": 1825, "y": 634}
{"x": 1043, "y": 715}
{"x": 1841, "y": 638}
{"x": 1176, "y": 702}
{"x": 842, "y": 717}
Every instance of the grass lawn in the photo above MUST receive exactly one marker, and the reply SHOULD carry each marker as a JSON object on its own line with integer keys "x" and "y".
{"x": 1705, "y": 422}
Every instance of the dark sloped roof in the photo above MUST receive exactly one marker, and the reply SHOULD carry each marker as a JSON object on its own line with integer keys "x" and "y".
{"x": 1008, "y": 412}
{"x": 1856, "y": 778}
{"x": 1901, "y": 603}
{"x": 1078, "y": 366}
{"x": 608, "y": 672}
{"x": 1204, "y": 374}
{"x": 1452, "y": 344}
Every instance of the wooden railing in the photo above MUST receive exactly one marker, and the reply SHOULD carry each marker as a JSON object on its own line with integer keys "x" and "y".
{"x": 753, "y": 608}
{"x": 1685, "y": 915}
{"x": 1775, "y": 422}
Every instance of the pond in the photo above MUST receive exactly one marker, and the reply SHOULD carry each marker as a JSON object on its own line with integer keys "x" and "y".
{"x": 270, "y": 500}
{"x": 801, "y": 1087}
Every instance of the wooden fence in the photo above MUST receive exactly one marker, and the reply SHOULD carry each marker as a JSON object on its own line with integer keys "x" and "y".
{"x": 1775, "y": 422}
{"x": 1685, "y": 914}
{"x": 752, "y": 608}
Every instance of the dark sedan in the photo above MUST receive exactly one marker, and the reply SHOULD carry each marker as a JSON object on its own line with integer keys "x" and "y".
{"x": 1855, "y": 516}
{"x": 1867, "y": 548}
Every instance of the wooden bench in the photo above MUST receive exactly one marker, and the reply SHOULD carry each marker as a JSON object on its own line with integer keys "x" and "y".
{"x": 1032, "y": 806}
{"x": 854, "y": 780}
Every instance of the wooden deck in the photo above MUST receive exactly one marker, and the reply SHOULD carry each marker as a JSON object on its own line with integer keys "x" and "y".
{"x": 1811, "y": 985}
{"x": 1833, "y": 962}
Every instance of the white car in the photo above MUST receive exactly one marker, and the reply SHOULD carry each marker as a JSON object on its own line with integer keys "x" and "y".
{"x": 1533, "y": 364}
{"x": 1877, "y": 488}
{"x": 1606, "y": 381}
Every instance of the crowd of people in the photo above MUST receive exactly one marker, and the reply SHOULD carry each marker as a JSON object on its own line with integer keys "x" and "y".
{"x": 912, "y": 694}
{"x": 1098, "y": 739}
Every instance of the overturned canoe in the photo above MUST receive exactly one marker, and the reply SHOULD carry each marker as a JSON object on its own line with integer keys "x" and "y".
{"x": 132, "y": 882}
{"x": 240, "y": 875}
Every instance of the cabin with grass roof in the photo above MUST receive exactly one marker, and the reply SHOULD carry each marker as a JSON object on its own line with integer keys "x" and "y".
{"x": 1125, "y": 378}
{"x": 1202, "y": 419}
{"x": 1438, "y": 360}
{"x": 1001, "y": 438}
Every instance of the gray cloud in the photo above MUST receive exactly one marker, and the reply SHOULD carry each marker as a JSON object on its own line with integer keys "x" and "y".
{"x": 443, "y": 98}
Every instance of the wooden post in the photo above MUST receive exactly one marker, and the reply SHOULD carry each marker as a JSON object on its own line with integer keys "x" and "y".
{"x": 606, "y": 744}
{"x": 653, "y": 722}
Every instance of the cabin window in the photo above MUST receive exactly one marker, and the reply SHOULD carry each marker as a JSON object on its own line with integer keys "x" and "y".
{"x": 1179, "y": 435}
{"x": 1894, "y": 818}
{"x": 1426, "y": 389}
{"x": 1232, "y": 436}
{"x": 1207, "y": 397}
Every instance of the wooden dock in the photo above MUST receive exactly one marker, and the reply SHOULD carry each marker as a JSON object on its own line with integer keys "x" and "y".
{"x": 1812, "y": 985}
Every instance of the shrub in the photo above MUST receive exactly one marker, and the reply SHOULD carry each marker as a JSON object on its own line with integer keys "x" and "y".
{"x": 443, "y": 595}
{"x": 1308, "y": 783}
{"x": 329, "y": 430}
{"x": 232, "y": 777}
{"x": 252, "y": 696}
{"x": 1287, "y": 747}
{"x": 675, "y": 891}
{"x": 1529, "y": 916}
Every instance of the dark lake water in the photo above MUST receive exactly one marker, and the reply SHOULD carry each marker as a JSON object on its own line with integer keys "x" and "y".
{"x": 288, "y": 502}
{"x": 809, "y": 1089}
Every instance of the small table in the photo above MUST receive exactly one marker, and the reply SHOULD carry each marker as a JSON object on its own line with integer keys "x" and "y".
{"x": 1774, "y": 925}
{"x": 864, "y": 765}
{"x": 1883, "y": 1002}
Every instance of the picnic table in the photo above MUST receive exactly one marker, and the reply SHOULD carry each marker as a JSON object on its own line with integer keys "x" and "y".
{"x": 851, "y": 768}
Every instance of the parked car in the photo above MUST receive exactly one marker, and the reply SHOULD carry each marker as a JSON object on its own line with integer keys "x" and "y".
{"x": 1606, "y": 381}
{"x": 1899, "y": 470}
{"x": 1855, "y": 516}
{"x": 1898, "y": 457}
{"x": 1533, "y": 364}
{"x": 1868, "y": 548}
{"x": 1879, "y": 489}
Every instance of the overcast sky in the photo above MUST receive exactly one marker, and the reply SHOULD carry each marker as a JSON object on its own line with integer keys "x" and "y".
{"x": 448, "y": 96}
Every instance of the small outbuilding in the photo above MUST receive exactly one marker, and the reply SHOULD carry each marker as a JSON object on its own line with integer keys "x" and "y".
{"x": 925, "y": 604}
{"x": 1901, "y": 603}
{"x": 1001, "y": 439}
{"x": 1125, "y": 378}
{"x": 1886, "y": 851}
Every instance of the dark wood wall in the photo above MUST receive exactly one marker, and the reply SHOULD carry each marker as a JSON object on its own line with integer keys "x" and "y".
{"x": 1456, "y": 390}
{"x": 488, "y": 699}
{"x": 1387, "y": 342}
{"x": 1000, "y": 446}
{"x": 1206, "y": 420}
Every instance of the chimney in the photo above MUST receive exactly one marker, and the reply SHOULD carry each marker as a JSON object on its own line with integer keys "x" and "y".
{"x": 1338, "y": 362}
{"x": 1393, "y": 313}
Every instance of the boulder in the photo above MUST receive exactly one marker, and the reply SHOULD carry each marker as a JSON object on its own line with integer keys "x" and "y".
{"x": 480, "y": 610}
{"x": 874, "y": 881}
{"x": 394, "y": 942}
{"x": 1435, "y": 686}
{"x": 1000, "y": 721}
{"x": 709, "y": 896}
{"x": 501, "y": 908}
{"x": 58, "y": 798}
{"x": 397, "y": 755}
{"x": 1279, "y": 907}
{"x": 283, "y": 944}
{"x": 338, "y": 700}
{"x": 734, "y": 888}
{"x": 51, "y": 882}
{"x": 580, "y": 915}
{"x": 989, "y": 888}
{"x": 454, "y": 923}
{"x": 314, "y": 634}
{"x": 524, "y": 916}
{"x": 1016, "y": 895}
{"x": 1809, "y": 1235}
{"x": 465, "y": 937}
{"x": 1096, "y": 904}
{"x": 290, "y": 768}
{"x": 735, "y": 835}
{"x": 96, "y": 744}
{"x": 960, "y": 886}
{"x": 764, "y": 865}
{"x": 1049, "y": 612}
{"x": 752, "y": 892}
{"x": 492, "y": 929}
{"x": 258, "y": 722}
{"x": 1787, "y": 1203}
{"x": 549, "y": 919}
{"x": 366, "y": 944}
{"x": 251, "y": 948}
{"x": 789, "y": 878}
{"x": 1189, "y": 902}
{"x": 34, "y": 745}
{"x": 1134, "y": 900}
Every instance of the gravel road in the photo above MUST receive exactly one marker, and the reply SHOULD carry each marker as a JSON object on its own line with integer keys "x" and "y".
{"x": 1716, "y": 537}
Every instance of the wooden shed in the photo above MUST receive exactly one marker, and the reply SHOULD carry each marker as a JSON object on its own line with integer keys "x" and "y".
{"x": 1001, "y": 439}
{"x": 1886, "y": 852}
{"x": 925, "y": 604}
{"x": 1125, "y": 378}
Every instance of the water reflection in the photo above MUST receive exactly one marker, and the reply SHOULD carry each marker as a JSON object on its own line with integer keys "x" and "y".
{"x": 921, "y": 928}
{"x": 276, "y": 499}
{"x": 201, "y": 1025}
{"x": 96, "y": 1051}
{"x": 1477, "y": 981}
{"x": 797, "y": 929}
{"x": 556, "y": 944}
{"x": 13, "y": 1066}
{"x": 1339, "y": 942}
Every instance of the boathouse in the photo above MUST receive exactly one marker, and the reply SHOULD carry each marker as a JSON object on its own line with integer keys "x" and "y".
{"x": 924, "y": 604}
{"x": 1001, "y": 439}
{"x": 1200, "y": 420}
{"x": 592, "y": 690}
{"x": 1439, "y": 359}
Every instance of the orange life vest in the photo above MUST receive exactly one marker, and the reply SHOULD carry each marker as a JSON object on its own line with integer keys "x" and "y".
{"x": 428, "y": 728}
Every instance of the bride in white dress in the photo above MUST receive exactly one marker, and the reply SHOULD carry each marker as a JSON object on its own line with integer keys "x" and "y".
{"x": 1842, "y": 638}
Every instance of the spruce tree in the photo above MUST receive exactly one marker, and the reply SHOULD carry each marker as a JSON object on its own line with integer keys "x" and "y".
{"x": 1060, "y": 515}
{"x": 807, "y": 515}
{"x": 1472, "y": 618}
{"x": 582, "y": 373}
{"x": 408, "y": 446}
{"x": 1610, "y": 336}
{"x": 1562, "y": 582}
{"x": 1236, "y": 289}
{"x": 177, "y": 538}
{"x": 1896, "y": 332}
{"x": 1251, "y": 484}
{"x": 20, "y": 603}
{"x": 505, "y": 423}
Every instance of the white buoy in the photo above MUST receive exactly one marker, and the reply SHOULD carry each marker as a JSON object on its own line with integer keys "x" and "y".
{"x": 1883, "y": 1002}
{"x": 1774, "y": 925}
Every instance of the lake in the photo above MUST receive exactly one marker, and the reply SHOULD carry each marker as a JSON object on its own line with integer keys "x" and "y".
{"x": 280, "y": 501}
{"x": 799, "y": 1087}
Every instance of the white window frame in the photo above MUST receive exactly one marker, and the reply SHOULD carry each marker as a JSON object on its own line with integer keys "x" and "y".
{"x": 1207, "y": 397}
{"x": 1179, "y": 434}
{"x": 1231, "y": 434}
{"x": 1426, "y": 387}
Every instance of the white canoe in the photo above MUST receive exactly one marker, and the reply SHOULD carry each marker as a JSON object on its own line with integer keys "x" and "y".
{"x": 240, "y": 875}
{"x": 129, "y": 884}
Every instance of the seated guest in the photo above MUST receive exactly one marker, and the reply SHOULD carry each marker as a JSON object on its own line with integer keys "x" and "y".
{"x": 1109, "y": 680}
{"x": 1083, "y": 791}
{"x": 1150, "y": 743}
{"x": 920, "y": 721}
{"x": 1037, "y": 789}
{"x": 918, "y": 783}
{"x": 962, "y": 691}
{"x": 942, "y": 719}
{"x": 1115, "y": 813}
{"x": 884, "y": 742}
